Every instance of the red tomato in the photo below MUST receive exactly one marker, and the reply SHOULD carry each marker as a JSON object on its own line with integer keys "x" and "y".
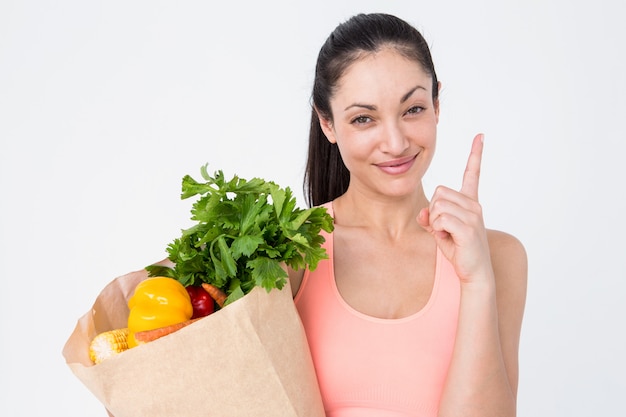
{"x": 202, "y": 303}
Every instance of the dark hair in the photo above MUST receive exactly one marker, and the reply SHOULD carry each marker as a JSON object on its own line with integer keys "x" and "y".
{"x": 326, "y": 177}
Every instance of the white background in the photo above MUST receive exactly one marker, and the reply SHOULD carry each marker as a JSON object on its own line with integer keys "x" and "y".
{"x": 105, "y": 105}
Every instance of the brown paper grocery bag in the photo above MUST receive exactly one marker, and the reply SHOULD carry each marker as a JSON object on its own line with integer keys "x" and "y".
{"x": 249, "y": 359}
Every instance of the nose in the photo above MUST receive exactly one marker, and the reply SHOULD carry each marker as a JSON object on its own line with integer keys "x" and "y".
{"x": 393, "y": 139}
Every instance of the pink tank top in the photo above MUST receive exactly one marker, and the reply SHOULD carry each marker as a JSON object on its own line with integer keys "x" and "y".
{"x": 372, "y": 367}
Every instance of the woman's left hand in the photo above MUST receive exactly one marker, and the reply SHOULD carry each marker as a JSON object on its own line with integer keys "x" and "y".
{"x": 455, "y": 220}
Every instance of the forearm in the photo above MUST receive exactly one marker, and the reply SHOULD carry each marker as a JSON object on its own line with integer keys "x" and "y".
{"x": 477, "y": 383}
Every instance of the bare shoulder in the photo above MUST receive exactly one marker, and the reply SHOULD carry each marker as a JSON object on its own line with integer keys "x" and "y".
{"x": 510, "y": 267}
{"x": 507, "y": 253}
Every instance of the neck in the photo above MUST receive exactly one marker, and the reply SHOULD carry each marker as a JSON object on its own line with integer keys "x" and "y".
{"x": 392, "y": 217}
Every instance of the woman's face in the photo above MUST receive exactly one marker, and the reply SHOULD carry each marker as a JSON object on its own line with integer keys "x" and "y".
{"x": 384, "y": 123}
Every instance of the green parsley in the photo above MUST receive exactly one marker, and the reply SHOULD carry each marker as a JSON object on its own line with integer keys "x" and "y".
{"x": 245, "y": 231}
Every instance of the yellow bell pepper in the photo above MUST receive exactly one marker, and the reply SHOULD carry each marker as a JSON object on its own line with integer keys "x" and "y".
{"x": 157, "y": 302}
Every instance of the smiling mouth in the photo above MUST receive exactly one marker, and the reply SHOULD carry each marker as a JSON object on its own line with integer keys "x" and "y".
{"x": 398, "y": 162}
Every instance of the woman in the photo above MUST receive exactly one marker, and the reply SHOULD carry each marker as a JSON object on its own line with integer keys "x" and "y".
{"x": 418, "y": 310}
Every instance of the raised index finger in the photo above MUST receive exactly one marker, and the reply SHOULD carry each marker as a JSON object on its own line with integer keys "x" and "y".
{"x": 472, "y": 170}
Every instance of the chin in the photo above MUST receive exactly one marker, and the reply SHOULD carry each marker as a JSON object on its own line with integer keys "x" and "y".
{"x": 400, "y": 190}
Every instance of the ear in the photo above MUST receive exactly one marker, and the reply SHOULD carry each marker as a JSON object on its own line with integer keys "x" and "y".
{"x": 327, "y": 127}
{"x": 436, "y": 103}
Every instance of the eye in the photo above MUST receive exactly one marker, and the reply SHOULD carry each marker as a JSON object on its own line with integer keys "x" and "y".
{"x": 360, "y": 120}
{"x": 415, "y": 110}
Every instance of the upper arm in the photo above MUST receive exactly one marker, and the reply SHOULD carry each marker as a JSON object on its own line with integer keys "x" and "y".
{"x": 295, "y": 279}
{"x": 510, "y": 266}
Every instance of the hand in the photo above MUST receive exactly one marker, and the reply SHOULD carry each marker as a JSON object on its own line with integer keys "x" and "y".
{"x": 455, "y": 220}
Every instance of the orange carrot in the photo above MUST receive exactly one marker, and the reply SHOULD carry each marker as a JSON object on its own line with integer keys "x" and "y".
{"x": 151, "y": 335}
{"x": 217, "y": 294}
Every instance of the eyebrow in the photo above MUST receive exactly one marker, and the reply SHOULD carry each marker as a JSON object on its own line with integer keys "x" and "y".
{"x": 402, "y": 100}
{"x": 411, "y": 91}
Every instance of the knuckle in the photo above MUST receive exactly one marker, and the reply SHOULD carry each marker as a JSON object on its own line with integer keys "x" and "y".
{"x": 437, "y": 204}
{"x": 478, "y": 209}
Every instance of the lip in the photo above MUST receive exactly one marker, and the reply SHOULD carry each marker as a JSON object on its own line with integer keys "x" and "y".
{"x": 397, "y": 166}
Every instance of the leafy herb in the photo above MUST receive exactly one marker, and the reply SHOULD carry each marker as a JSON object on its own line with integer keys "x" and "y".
{"x": 245, "y": 230}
